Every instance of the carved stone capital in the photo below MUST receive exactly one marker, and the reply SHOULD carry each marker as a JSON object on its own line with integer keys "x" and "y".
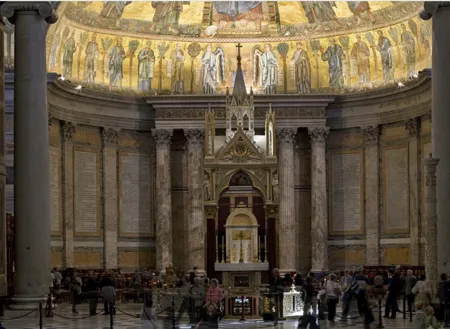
{"x": 110, "y": 136}
{"x": 162, "y": 136}
{"x": 211, "y": 212}
{"x": 413, "y": 126}
{"x": 430, "y": 171}
{"x": 67, "y": 131}
{"x": 271, "y": 211}
{"x": 43, "y": 9}
{"x": 194, "y": 136}
{"x": 50, "y": 121}
{"x": 318, "y": 135}
{"x": 371, "y": 135}
{"x": 286, "y": 135}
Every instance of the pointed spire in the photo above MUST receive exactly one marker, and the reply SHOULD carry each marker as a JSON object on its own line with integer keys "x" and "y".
{"x": 239, "y": 83}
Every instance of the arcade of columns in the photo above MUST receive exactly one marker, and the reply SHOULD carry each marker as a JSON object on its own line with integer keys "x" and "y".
{"x": 32, "y": 181}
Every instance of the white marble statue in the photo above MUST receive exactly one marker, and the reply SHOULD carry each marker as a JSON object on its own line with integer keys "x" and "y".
{"x": 207, "y": 188}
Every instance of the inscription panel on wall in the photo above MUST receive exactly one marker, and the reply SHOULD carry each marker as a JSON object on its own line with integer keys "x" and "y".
{"x": 135, "y": 195}
{"x": 396, "y": 190}
{"x": 347, "y": 207}
{"x": 86, "y": 196}
{"x": 55, "y": 196}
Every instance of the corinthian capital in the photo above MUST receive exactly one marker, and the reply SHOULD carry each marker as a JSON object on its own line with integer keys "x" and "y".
{"x": 110, "y": 136}
{"x": 67, "y": 131}
{"x": 43, "y": 9}
{"x": 286, "y": 135}
{"x": 194, "y": 136}
{"x": 318, "y": 135}
{"x": 371, "y": 134}
{"x": 413, "y": 125}
{"x": 162, "y": 136}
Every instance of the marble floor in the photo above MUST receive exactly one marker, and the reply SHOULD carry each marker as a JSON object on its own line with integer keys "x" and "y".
{"x": 126, "y": 319}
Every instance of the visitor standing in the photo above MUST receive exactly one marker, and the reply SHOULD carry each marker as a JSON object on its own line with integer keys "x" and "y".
{"x": 332, "y": 291}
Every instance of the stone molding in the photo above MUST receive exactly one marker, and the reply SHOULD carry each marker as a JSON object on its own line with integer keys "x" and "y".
{"x": 286, "y": 135}
{"x": 318, "y": 135}
{"x": 211, "y": 212}
{"x": 371, "y": 135}
{"x": 413, "y": 127}
{"x": 67, "y": 131}
{"x": 110, "y": 136}
{"x": 194, "y": 136}
{"x": 162, "y": 136}
{"x": 43, "y": 9}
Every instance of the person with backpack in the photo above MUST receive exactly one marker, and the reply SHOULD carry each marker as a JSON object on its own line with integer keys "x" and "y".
{"x": 75, "y": 292}
{"x": 394, "y": 290}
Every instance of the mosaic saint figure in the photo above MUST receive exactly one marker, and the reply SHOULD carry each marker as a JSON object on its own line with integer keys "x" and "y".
{"x": 319, "y": 11}
{"x": 360, "y": 53}
{"x": 146, "y": 67}
{"x": 361, "y": 9}
{"x": 409, "y": 49}
{"x": 302, "y": 67}
{"x": 116, "y": 57}
{"x": 213, "y": 70}
{"x": 90, "y": 64}
{"x": 167, "y": 12}
{"x": 177, "y": 58}
{"x": 69, "y": 49}
{"x": 54, "y": 52}
{"x": 113, "y": 9}
{"x": 268, "y": 67}
{"x": 387, "y": 56}
{"x": 235, "y": 9}
{"x": 334, "y": 56}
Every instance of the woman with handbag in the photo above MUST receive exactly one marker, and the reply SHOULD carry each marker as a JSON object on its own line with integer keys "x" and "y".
{"x": 333, "y": 292}
{"x": 214, "y": 297}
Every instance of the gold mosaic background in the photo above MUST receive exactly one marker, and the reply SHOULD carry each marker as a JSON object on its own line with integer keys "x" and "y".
{"x": 195, "y": 25}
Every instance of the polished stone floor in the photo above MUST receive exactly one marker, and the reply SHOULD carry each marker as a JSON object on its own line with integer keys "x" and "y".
{"x": 126, "y": 319}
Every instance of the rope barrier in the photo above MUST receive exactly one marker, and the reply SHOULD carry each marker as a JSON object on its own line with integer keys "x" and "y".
{"x": 19, "y": 317}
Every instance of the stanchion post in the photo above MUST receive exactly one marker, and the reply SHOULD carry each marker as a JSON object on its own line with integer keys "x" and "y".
{"x": 380, "y": 317}
{"x": 111, "y": 317}
{"x": 404, "y": 306}
{"x": 173, "y": 312}
{"x": 242, "y": 319}
{"x": 40, "y": 315}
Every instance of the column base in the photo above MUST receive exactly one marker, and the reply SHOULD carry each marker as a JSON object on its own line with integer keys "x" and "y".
{"x": 27, "y": 302}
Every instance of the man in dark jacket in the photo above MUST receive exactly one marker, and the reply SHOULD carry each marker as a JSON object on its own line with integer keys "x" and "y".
{"x": 394, "y": 290}
{"x": 276, "y": 290}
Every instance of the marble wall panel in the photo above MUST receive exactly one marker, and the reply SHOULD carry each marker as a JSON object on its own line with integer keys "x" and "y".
{"x": 394, "y": 132}
{"x": 348, "y": 257}
{"x": 137, "y": 258}
{"x": 87, "y": 258}
{"x": 345, "y": 139}
{"x": 395, "y": 255}
{"x": 87, "y": 135}
{"x": 56, "y": 258}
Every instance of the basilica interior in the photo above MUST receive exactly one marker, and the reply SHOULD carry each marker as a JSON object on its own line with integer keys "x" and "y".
{"x": 232, "y": 137}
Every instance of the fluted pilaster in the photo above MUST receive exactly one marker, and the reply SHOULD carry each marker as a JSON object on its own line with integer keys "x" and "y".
{"x": 286, "y": 138}
{"x": 196, "y": 223}
{"x": 371, "y": 136}
{"x": 110, "y": 138}
{"x": 319, "y": 211}
{"x": 163, "y": 199}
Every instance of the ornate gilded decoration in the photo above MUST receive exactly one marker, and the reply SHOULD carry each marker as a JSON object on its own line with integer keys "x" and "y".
{"x": 240, "y": 149}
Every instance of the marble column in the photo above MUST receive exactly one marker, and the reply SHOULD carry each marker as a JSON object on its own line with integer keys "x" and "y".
{"x": 163, "y": 139}
{"x": 287, "y": 234}
{"x": 31, "y": 174}
{"x": 110, "y": 138}
{"x": 431, "y": 241}
{"x": 3, "y": 283}
{"x": 196, "y": 221}
{"x": 440, "y": 11}
{"x": 413, "y": 128}
{"x": 372, "y": 193}
{"x": 319, "y": 202}
{"x": 67, "y": 131}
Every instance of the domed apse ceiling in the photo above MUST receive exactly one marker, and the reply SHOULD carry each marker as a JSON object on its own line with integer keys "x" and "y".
{"x": 190, "y": 47}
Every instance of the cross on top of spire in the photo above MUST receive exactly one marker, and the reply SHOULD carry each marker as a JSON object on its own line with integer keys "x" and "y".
{"x": 239, "y": 46}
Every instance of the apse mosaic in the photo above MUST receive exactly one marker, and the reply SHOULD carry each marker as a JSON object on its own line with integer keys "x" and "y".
{"x": 286, "y": 47}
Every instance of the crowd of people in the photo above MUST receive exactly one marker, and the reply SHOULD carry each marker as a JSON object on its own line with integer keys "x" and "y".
{"x": 428, "y": 299}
